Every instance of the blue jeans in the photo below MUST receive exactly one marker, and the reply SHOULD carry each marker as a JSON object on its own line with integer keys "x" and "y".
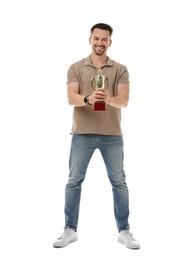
{"x": 82, "y": 149}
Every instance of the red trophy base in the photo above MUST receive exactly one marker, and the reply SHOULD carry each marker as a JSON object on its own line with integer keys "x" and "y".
{"x": 99, "y": 106}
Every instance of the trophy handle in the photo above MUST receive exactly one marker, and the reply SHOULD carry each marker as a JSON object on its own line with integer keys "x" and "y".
{"x": 92, "y": 80}
{"x": 107, "y": 83}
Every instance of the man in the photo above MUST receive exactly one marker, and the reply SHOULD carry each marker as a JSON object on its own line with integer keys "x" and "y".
{"x": 98, "y": 88}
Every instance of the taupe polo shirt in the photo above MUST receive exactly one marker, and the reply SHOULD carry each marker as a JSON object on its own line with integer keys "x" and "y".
{"x": 85, "y": 119}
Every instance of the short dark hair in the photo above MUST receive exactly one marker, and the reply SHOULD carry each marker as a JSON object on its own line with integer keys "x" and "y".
{"x": 102, "y": 26}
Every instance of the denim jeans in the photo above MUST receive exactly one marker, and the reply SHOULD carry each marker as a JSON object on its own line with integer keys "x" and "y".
{"x": 112, "y": 151}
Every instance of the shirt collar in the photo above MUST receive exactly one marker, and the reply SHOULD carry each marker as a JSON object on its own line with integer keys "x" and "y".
{"x": 87, "y": 62}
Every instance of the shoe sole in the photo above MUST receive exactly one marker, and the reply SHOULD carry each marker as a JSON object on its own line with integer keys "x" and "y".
{"x": 71, "y": 241}
{"x": 122, "y": 242}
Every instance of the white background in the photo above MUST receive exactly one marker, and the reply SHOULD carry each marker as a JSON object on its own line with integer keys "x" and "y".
{"x": 156, "y": 41}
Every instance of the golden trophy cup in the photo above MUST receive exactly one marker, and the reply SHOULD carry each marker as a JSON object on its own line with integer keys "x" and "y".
{"x": 99, "y": 81}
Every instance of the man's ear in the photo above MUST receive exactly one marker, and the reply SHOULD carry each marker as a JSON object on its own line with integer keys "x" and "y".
{"x": 110, "y": 43}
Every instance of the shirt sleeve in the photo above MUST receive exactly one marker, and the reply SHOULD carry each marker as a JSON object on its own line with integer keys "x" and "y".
{"x": 72, "y": 75}
{"x": 123, "y": 75}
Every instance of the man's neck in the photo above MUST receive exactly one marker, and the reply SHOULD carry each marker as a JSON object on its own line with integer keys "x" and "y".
{"x": 98, "y": 61}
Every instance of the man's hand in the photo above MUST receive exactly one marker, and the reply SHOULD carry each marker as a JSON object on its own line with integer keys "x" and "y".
{"x": 100, "y": 94}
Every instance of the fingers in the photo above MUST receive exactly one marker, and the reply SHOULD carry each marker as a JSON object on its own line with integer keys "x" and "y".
{"x": 101, "y": 93}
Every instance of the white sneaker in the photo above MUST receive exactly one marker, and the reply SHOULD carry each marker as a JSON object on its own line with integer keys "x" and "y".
{"x": 69, "y": 235}
{"x": 126, "y": 238}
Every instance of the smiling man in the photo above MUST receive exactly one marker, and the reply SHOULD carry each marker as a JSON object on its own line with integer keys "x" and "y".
{"x": 97, "y": 87}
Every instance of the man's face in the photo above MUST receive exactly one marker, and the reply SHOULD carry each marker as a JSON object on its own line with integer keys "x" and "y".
{"x": 100, "y": 41}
